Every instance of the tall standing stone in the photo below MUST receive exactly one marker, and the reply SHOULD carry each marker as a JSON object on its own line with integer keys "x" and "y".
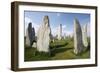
{"x": 33, "y": 35}
{"x": 43, "y": 36}
{"x": 84, "y": 35}
{"x": 27, "y": 40}
{"x": 30, "y": 35}
{"x": 60, "y": 32}
{"x": 78, "y": 45}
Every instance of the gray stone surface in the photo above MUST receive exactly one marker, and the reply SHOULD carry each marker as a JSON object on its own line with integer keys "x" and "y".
{"x": 60, "y": 32}
{"x": 30, "y": 35}
{"x": 78, "y": 43}
{"x": 84, "y": 35}
{"x": 43, "y": 36}
{"x": 27, "y": 42}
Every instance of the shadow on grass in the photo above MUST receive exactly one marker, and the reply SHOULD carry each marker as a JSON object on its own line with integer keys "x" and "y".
{"x": 58, "y": 50}
{"x": 31, "y": 54}
{"x": 60, "y": 47}
{"x": 57, "y": 46}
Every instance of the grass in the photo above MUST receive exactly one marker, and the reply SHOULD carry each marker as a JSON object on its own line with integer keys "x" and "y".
{"x": 60, "y": 50}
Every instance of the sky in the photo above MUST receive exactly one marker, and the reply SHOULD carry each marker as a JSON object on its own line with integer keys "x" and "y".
{"x": 55, "y": 19}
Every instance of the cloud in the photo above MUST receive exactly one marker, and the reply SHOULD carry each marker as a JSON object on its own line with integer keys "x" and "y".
{"x": 58, "y": 14}
{"x": 65, "y": 31}
{"x": 54, "y": 30}
{"x": 64, "y": 27}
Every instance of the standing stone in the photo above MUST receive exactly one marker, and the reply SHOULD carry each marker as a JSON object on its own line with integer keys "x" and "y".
{"x": 60, "y": 32}
{"x": 84, "y": 35}
{"x": 43, "y": 36}
{"x": 52, "y": 38}
{"x": 33, "y": 35}
{"x": 78, "y": 45}
{"x": 33, "y": 38}
{"x": 30, "y": 35}
{"x": 27, "y": 41}
{"x": 64, "y": 36}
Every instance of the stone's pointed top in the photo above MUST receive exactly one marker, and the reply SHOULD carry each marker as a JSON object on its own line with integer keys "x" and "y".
{"x": 75, "y": 18}
{"x": 61, "y": 26}
{"x": 76, "y": 21}
{"x": 46, "y": 17}
{"x": 46, "y": 20}
{"x": 77, "y": 25}
{"x": 30, "y": 24}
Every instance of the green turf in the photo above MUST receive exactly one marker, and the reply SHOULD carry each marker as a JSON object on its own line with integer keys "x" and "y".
{"x": 60, "y": 50}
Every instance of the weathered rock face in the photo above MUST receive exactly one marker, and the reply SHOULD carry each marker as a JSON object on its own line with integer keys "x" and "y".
{"x": 43, "y": 36}
{"x": 60, "y": 32}
{"x": 30, "y": 35}
{"x": 33, "y": 35}
{"x": 84, "y": 35}
{"x": 78, "y": 45}
{"x": 27, "y": 42}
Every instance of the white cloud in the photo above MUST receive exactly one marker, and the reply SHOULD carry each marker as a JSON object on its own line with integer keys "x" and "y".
{"x": 63, "y": 26}
{"x": 58, "y": 14}
{"x": 27, "y": 20}
{"x": 54, "y": 30}
{"x": 65, "y": 31}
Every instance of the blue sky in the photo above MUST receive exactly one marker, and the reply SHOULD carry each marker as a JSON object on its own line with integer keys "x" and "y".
{"x": 56, "y": 18}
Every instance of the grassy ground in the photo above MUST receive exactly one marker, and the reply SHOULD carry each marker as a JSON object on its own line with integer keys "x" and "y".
{"x": 60, "y": 50}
